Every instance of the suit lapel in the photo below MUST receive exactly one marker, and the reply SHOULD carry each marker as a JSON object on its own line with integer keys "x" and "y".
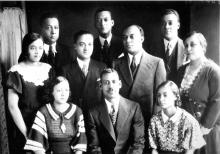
{"x": 106, "y": 121}
{"x": 123, "y": 113}
{"x": 125, "y": 71}
{"x": 143, "y": 71}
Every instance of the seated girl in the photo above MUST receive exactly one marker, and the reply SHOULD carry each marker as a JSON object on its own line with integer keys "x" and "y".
{"x": 58, "y": 126}
{"x": 173, "y": 130}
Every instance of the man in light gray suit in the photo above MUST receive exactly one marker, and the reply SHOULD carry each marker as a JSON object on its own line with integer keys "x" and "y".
{"x": 139, "y": 72}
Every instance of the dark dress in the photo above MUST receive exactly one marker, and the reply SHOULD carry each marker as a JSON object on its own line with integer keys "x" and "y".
{"x": 4, "y": 147}
{"x": 57, "y": 133}
{"x": 28, "y": 83}
{"x": 200, "y": 96}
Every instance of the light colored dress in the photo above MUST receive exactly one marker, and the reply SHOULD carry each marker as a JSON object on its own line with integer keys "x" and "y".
{"x": 177, "y": 134}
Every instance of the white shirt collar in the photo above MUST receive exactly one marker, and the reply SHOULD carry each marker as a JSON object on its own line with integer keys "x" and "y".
{"x": 137, "y": 58}
{"x": 101, "y": 39}
{"x": 174, "y": 118}
{"x": 46, "y": 48}
{"x": 116, "y": 105}
{"x": 172, "y": 44}
{"x": 81, "y": 63}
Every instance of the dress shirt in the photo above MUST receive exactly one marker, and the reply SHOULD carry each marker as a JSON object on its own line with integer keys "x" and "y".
{"x": 47, "y": 46}
{"x": 172, "y": 44}
{"x": 101, "y": 39}
{"x": 81, "y": 63}
{"x": 109, "y": 104}
{"x": 137, "y": 58}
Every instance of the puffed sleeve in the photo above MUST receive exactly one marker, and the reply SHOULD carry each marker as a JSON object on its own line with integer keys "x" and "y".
{"x": 80, "y": 141}
{"x": 38, "y": 137}
{"x": 14, "y": 81}
{"x": 193, "y": 138}
{"x": 212, "y": 111}
{"x": 152, "y": 133}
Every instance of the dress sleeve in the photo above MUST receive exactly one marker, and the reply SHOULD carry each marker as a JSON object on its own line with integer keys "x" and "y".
{"x": 14, "y": 82}
{"x": 80, "y": 143}
{"x": 38, "y": 137}
{"x": 193, "y": 138}
{"x": 152, "y": 133}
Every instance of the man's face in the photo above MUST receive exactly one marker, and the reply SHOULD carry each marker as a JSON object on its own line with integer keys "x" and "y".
{"x": 104, "y": 23}
{"x": 132, "y": 40}
{"x": 50, "y": 30}
{"x": 170, "y": 26}
{"x": 84, "y": 46}
{"x": 110, "y": 85}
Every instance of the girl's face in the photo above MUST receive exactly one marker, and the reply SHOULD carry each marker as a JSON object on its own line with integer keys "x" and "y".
{"x": 194, "y": 50}
{"x": 166, "y": 98}
{"x": 35, "y": 50}
{"x": 61, "y": 92}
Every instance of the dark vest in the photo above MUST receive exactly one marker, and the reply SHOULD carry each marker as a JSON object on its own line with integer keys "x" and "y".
{"x": 171, "y": 65}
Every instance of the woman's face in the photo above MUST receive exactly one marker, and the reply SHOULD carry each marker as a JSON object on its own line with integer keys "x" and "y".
{"x": 61, "y": 92}
{"x": 194, "y": 49}
{"x": 166, "y": 98}
{"x": 35, "y": 50}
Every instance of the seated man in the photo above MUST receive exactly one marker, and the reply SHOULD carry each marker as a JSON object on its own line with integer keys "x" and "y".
{"x": 116, "y": 124}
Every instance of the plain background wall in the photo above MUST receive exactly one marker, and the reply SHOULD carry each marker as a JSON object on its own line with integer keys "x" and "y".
{"x": 200, "y": 16}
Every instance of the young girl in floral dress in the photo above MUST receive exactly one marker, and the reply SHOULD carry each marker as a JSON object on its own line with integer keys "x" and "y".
{"x": 173, "y": 130}
{"x": 58, "y": 126}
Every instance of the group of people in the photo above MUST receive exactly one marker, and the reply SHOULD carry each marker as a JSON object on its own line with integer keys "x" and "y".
{"x": 110, "y": 95}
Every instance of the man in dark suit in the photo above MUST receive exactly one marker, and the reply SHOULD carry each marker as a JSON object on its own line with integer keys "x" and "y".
{"x": 55, "y": 54}
{"x": 107, "y": 46}
{"x": 139, "y": 72}
{"x": 116, "y": 125}
{"x": 170, "y": 47}
{"x": 83, "y": 73}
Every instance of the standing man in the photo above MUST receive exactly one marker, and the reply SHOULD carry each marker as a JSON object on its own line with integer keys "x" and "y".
{"x": 116, "y": 125}
{"x": 170, "y": 48}
{"x": 107, "y": 47}
{"x": 139, "y": 72}
{"x": 55, "y": 54}
{"x": 83, "y": 72}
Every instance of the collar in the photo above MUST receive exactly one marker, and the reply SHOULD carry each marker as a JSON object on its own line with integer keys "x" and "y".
{"x": 67, "y": 114}
{"x": 46, "y": 48}
{"x": 101, "y": 39}
{"x": 172, "y": 43}
{"x": 137, "y": 58}
{"x": 81, "y": 63}
{"x": 174, "y": 118}
{"x": 116, "y": 104}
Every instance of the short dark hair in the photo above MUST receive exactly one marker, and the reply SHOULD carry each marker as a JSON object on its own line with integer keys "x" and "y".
{"x": 80, "y": 33}
{"x": 101, "y": 10}
{"x": 107, "y": 71}
{"x": 49, "y": 87}
{"x": 47, "y": 15}
{"x": 27, "y": 40}
{"x": 139, "y": 27}
{"x": 171, "y": 11}
{"x": 174, "y": 89}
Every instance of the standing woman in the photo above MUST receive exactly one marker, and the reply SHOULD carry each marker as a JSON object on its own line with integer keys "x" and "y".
{"x": 25, "y": 84}
{"x": 199, "y": 83}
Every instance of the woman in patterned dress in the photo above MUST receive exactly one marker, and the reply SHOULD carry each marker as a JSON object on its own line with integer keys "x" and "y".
{"x": 199, "y": 83}
{"x": 59, "y": 126}
{"x": 173, "y": 130}
{"x": 25, "y": 85}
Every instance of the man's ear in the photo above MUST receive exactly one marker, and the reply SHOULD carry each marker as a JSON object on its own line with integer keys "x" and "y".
{"x": 120, "y": 84}
{"x": 113, "y": 22}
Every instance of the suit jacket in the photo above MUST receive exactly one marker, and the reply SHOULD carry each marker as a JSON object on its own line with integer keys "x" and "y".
{"x": 150, "y": 73}
{"x": 158, "y": 50}
{"x": 84, "y": 90}
{"x": 128, "y": 136}
{"x": 115, "y": 49}
{"x": 62, "y": 57}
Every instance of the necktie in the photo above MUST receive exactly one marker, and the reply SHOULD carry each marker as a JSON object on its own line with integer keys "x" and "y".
{"x": 84, "y": 69}
{"x": 113, "y": 114}
{"x": 168, "y": 52}
{"x": 133, "y": 64}
{"x": 51, "y": 57}
{"x": 105, "y": 49}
